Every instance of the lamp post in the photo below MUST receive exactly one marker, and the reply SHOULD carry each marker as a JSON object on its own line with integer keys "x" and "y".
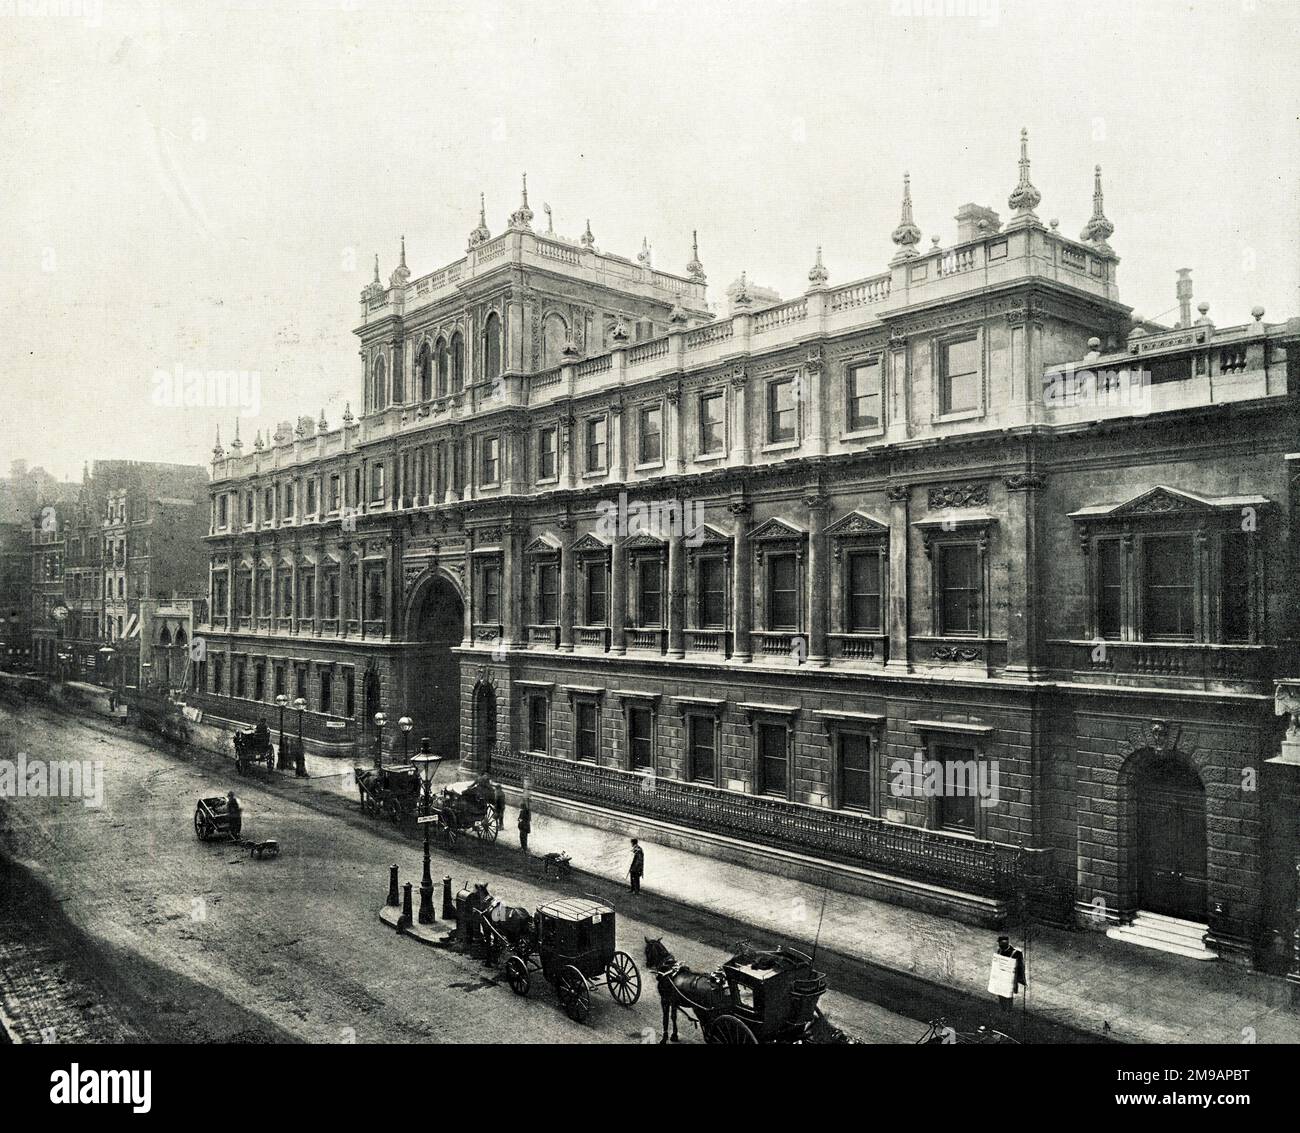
{"x": 282, "y": 700}
{"x": 428, "y": 767}
{"x": 406, "y": 724}
{"x": 381, "y": 718}
{"x": 300, "y": 706}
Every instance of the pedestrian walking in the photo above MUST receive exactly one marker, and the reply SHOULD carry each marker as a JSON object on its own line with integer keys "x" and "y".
{"x": 525, "y": 825}
{"x": 499, "y": 803}
{"x": 1014, "y": 979}
{"x": 637, "y": 868}
{"x": 234, "y": 816}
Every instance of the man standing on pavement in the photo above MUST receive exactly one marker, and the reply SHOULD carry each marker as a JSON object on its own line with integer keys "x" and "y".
{"x": 1005, "y": 949}
{"x": 499, "y": 803}
{"x": 637, "y": 868}
{"x": 525, "y": 824}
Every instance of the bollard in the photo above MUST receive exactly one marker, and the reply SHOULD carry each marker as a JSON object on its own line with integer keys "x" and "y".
{"x": 392, "y": 886}
{"x": 300, "y": 760}
{"x": 406, "y": 902}
{"x": 448, "y": 906}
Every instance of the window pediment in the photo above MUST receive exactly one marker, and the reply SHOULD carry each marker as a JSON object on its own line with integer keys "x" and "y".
{"x": 544, "y": 544}
{"x": 591, "y": 544}
{"x": 1163, "y": 501}
{"x": 857, "y": 524}
{"x": 776, "y": 529}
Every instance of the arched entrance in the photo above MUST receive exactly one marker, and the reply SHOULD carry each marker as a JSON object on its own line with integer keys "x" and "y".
{"x": 436, "y": 626}
{"x": 485, "y": 725}
{"x": 1169, "y": 844}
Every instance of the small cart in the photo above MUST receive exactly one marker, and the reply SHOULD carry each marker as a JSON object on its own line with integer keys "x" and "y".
{"x": 212, "y": 824}
{"x": 572, "y": 944}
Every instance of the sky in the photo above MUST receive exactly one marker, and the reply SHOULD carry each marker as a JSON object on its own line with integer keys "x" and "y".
{"x": 203, "y": 185}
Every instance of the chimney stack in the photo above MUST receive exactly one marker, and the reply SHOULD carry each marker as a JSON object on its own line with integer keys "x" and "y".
{"x": 1184, "y": 297}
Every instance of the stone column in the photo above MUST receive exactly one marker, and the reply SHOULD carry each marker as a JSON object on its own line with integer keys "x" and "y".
{"x": 899, "y": 607}
{"x": 676, "y": 595}
{"x": 817, "y": 585}
{"x": 617, "y": 596}
{"x": 673, "y": 430}
{"x": 567, "y": 571}
{"x": 345, "y": 588}
{"x": 512, "y": 628}
{"x": 1024, "y": 616}
{"x": 469, "y": 589}
{"x": 741, "y": 588}
{"x": 318, "y": 576}
{"x": 814, "y": 380}
{"x": 617, "y": 448}
{"x": 739, "y": 428}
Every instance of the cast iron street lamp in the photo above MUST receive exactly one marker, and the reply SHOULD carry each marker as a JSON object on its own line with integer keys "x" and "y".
{"x": 406, "y": 724}
{"x": 381, "y": 718}
{"x": 300, "y": 706}
{"x": 428, "y": 767}
{"x": 282, "y": 700}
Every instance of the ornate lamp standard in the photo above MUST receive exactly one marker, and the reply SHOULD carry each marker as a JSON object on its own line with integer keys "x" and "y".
{"x": 381, "y": 718}
{"x": 428, "y": 767}
{"x": 406, "y": 724}
{"x": 282, "y": 700}
{"x": 300, "y": 706}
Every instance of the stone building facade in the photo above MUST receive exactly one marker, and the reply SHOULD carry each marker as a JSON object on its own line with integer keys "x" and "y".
{"x": 790, "y": 575}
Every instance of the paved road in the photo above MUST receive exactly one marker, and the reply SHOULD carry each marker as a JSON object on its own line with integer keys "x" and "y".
{"x": 140, "y": 931}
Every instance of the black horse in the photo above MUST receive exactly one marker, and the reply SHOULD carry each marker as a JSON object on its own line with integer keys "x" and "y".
{"x": 680, "y": 989}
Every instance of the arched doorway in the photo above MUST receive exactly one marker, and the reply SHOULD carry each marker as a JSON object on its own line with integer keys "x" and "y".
{"x": 1169, "y": 859}
{"x": 485, "y": 725}
{"x": 436, "y": 626}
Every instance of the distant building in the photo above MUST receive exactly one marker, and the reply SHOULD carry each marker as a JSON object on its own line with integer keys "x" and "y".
{"x": 15, "y": 595}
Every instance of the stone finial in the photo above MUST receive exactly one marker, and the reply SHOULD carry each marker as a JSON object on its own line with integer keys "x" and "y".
{"x": 695, "y": 269}
{"x": 401, "y": 273}
{"x": 237, "y": 443}
{"x": 1024, "y": 197}
{"x": 218, "y": 453}
{"x": 1204, "y": 308}
{"x": 257, "y": 441}
{"x": 619, "y": 333}
{"x": 1257, "y": 313}
{"x": 907, "y": 235}
{"x": 374, "y": 289}
{"x": 522, "y": 217}
{"x": 742, "y": 298}
{"x": 818, "y": 275}
{"x": 481, "y": 234}
{"x": 588, "y": 240}
{"x": 1098, "y": 229}
{"x": 678, "y": 316}
{"x": 643, "y": 256}
{"x": 322, "y": 425}
{"x": 550, "y": 223}
{"x": 347, "y": 414}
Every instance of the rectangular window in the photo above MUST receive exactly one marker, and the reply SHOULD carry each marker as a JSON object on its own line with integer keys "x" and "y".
{"x": 652, "y": 435}
{"x": 548, "y": 594}
{"x": 703, "y": 748}
{"x": 781, "y": 411}
{"x": 955, "y": 804}
{"x": 286, "y": 595}
{"x": 782, "y": 593}
{"x": 588, "y": 731}
{"x": 864, "y": 592}
{"x": 218, "y": 674}
{"x": 864, "y": 396}
{"x": 288, "y": 500}
{"x": 377, "y": 482}
{"x": 959, "y": 590}
{"x": 490, "y": 464}
{"x": 537, "y": 724}
{"x": 596, "y": 444}
{"x": 1167, "y": 587}
{"x": 349, "y": 692}
{"x": 259, "y": 680}
{"x": 713, "y": 593}
{"x": 248, "y": 507}
{"x": 279, "y": 680}
{"x": 264, "y": 594}
{"x": 239, "y": 678}
{"x": 712, "y": 423}
{"x": 223, "y": 511}
{"x": 491, "y": 593}
{"x": 959, "y": 376}
{"x": 336, "y": 492}
{"x": 311, "y": 497}
{"x": 855, "y": 771}
{"x": 375, "y": 594}
{"x": 546, "y": 448}
{"x": 640, "y": 737}
{"x": 332, "y": 594}
{"x": 773, "y": 761}
{"x": 268, "y": 505}
{"x": 1109, "y": 589}
{"x": 326, "y": 690}
{"x": 306, "y": 595}
{"x": 649, "y": 597}
{"x": 300, "y": 682}
{"x": 1235, "y": 572}
{"x": 596, "y": 607}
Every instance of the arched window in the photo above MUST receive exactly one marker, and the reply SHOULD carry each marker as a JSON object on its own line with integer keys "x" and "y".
{"x": 444, "y": 366}
{"x": 179, "y": 639}
{"x": 492, "y": 347}
{"x": 555, "y": 333}
{"x": 165, "y": 638}
{"x": 424, "y": 368}
{"x": 379, "y": 385}
{"x": 457, "y": 362}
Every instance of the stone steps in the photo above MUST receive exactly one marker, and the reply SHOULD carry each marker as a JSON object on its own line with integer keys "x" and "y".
{"x": 1165, "y": 934}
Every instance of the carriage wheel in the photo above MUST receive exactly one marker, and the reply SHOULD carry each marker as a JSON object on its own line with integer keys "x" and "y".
{"x": 623, "y": 979}
{"x": 487, "y": 826}
{"x": 729, "y": 1030}
{"x": 517, "y": 975}
{"x": 571, "y": 987}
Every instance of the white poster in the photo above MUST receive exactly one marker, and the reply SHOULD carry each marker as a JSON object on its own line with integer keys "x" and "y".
{"x": 1002, "y": 976}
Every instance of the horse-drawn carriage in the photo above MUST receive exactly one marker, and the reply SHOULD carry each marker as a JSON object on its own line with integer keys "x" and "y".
{"x": 396, "y": 793}
{"x": 252, "y": 748}
{"x": 757, "y": 996}
{"x": 571, "y": 942}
